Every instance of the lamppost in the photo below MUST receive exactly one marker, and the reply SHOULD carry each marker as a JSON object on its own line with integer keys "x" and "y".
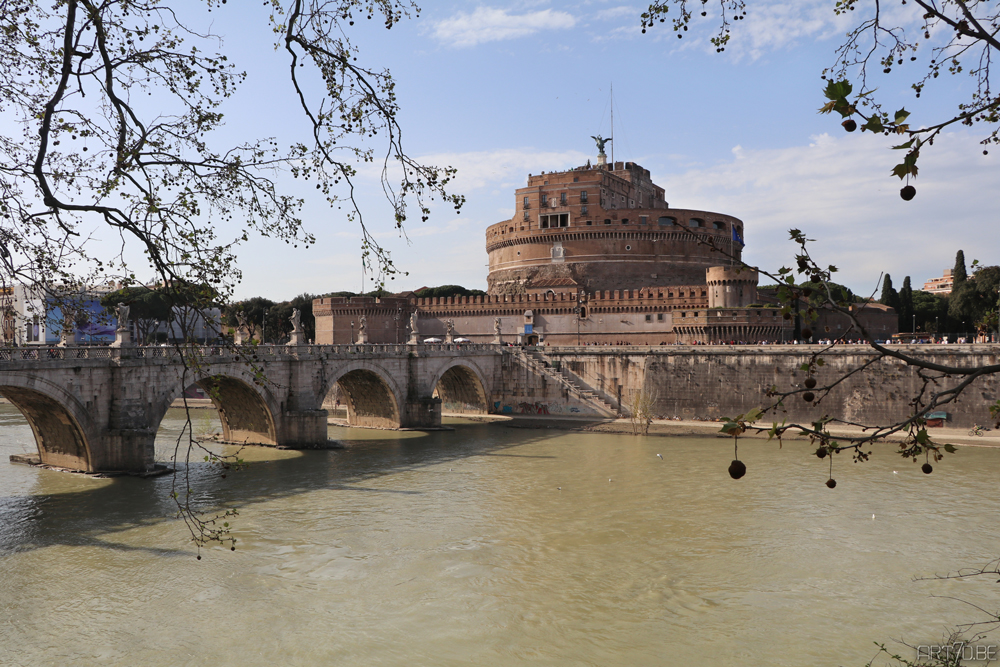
{"x": 399, "y": 311}
{"x": 577, "y": 311}
{"x": 352, "y": 332}
{"x": 914, "y": 323}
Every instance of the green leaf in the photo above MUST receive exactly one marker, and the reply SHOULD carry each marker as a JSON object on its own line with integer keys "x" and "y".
{"x": 908, "y": 144}
{"x": 838, "y": 90}
{"x": 922, "y": 437}
{"x": 874, "y": 124}
{"x": 901, "y": 116}
{"x": 731, "y": 428}
{"x": 754, "y": 415}
{"x": 950, "y": 449}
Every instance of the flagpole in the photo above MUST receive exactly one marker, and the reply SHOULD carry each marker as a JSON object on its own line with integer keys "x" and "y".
{"x": 612, "y": 126}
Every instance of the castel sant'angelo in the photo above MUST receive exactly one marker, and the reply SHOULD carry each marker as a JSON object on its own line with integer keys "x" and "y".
{"x": 592, "y": 255}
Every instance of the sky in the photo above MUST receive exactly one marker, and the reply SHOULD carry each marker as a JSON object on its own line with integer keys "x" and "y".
{"x": 501, "y": 90}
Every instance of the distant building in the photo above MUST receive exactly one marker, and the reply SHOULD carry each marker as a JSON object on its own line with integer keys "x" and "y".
{"x": 593, "y": 255}
{"x": 940, "y": 285}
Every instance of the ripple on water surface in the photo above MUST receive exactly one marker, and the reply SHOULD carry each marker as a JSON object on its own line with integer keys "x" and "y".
{"x": 459, "y": 548}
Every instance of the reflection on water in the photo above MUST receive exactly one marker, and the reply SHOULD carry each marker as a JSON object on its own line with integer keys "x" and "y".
{"x": 459, "y": 548}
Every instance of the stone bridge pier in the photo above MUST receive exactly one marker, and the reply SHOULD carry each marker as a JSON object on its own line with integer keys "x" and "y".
{"x": 99, "y": 409}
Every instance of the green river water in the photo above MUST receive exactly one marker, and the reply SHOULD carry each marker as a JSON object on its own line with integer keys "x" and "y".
{"x": 459, "y": 548}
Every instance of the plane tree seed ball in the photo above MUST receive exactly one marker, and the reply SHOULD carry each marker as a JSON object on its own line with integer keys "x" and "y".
{"x": 737, "y": 469}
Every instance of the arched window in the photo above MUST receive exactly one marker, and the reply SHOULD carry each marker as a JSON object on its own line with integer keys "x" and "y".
{"x": 696, "y": 222}
{"x": 718, "y": 225}
{"x": 667, "y": 221}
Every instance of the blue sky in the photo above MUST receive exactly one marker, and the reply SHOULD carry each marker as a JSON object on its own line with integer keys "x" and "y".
{"x": 501, "y": 90}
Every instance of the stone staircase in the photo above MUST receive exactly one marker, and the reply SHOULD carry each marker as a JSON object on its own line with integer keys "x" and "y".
{"x": 540, "y": 364}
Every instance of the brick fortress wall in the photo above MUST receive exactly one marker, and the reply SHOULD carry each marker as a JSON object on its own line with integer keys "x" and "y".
{"x": 600, "y": 229}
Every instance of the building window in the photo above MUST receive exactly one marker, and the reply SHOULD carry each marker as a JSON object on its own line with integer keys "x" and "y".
{"x": 628, "y": 247}
{"x": 554, "y": 220}
{"x": 666, "y": 221}
{"x": 562, "y": 198}
{"x": 525, "y": 216}
{"x": 649, "y": 318}
{"x": 544, "y": 199}
{"x": 526, "y": 204}
{"x": 607, "y": 221}
{"x": 631, "y": 203}
{"x": 583, "y": 209}
{"x": 624, "y": 221}
{"x": 643, "y": 219}
{"x": 659, "y": 317}
{"x": 718, "y": 225}
{"x": 696, "y": 222}
{"x": 576, "y": 179}
{"x": 590, "y": 222}
{"x": 583, "y": 197}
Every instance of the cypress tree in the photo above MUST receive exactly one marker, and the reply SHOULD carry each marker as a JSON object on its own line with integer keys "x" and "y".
{"x": 889, "y": 296}
{"x": 958, "y": 274}
{"x": 905, "y": 309}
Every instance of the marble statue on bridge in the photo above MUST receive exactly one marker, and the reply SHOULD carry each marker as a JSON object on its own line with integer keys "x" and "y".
{"x": 123, "y": 337}
{"x": 414, "y": 333}
{"x": 363, "y": 331}
{"x": 297, "y": 335}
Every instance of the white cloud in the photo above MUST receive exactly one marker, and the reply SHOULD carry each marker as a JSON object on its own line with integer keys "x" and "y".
{"x": 486, "y": 24}
{"x": 482, "y": 169}
{"x": 838, "y": 191}
{"x": 615, "y": 12}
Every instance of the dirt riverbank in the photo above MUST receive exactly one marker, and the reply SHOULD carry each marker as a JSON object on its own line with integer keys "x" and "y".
{"x": 674, "y": 428}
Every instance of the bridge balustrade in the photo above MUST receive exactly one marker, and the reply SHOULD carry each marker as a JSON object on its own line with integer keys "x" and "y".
{"x": 42, "y": 353}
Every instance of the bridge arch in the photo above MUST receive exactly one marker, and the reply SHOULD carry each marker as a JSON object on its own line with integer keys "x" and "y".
{"x": 372, "y": 396}
{"x": 460, "y": 387}
{"x": 246, "y": 409}
{"x": 58, "y": 421}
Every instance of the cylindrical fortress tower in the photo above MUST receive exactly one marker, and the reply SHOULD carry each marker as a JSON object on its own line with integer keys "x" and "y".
{"x": 603, "y": 228}
{"x": 731, "y": 286}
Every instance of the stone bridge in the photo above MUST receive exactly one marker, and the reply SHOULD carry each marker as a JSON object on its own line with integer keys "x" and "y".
{"x": 99, "y": 408}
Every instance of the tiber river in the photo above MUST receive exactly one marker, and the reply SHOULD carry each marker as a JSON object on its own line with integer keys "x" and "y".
{"x": 459, "y": 548}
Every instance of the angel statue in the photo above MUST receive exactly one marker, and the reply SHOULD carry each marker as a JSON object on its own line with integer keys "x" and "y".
{"x": 600, "y": 143}
{"x": 296, "y": 320}
{"x": 413, "y": 322}
{"x": 121, "y": 312}
{"x": 496, "y": 326}
{"x": 364, "y": 324}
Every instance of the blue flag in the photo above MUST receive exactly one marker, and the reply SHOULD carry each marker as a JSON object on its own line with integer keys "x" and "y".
{"x": 737, "y": 237}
